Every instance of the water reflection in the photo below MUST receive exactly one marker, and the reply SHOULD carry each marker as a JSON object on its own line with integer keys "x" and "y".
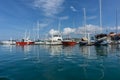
{"x": 88, "y": 52}
{"x": 69, "y": 50}
{"x": 25, "y": 49}
{"x": 54, "y": 50}
{"x": 9, "y": 48}
{"x": 102, "y": 50}
{"x": 93, "y": 54}
{"x": 60, "y": 62}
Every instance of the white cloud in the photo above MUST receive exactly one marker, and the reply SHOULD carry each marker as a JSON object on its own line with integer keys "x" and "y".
{"x": 68, "y": 30}
{"x": 81, "y": 30}
{"x": 89, "y": 29}
{"x": 73, "y": 8}
{"x": 113, "y": 28}
{"x": 92, "y": 29}
{"x": 52, "y": 32}
{"x": 49, "y": 7}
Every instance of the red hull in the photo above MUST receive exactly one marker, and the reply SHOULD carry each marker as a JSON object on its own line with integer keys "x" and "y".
{"x": 69, "y": 43}
{"x": 24, "y": 43}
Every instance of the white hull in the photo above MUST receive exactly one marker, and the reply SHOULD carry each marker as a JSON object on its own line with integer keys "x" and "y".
{"x": 8, "y": 42}
{"x": 39, "y": 43}
{"x": 53, "y": 42}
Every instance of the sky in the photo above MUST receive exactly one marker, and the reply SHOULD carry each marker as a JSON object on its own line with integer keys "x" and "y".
{"x": 20, "y": 16}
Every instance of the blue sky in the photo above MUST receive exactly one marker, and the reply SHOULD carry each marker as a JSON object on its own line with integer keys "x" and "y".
{"x": 18, "y": 16}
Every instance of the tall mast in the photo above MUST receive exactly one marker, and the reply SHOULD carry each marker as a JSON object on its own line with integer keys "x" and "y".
{"x": 59, "y": 24}
{"x": 38, "y": 29}
{"x": 84, "y": 10}
{"x": 100, "y": 2}
{"x": 25, "y": 36}
{"x": 28, "y": 35}
{"x": 116, "y": 22}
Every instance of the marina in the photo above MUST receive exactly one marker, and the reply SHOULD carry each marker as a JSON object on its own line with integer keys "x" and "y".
{"x": 59, "y": 40}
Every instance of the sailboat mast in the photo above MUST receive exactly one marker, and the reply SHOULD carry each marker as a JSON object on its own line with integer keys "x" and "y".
{"x": 25, "y": 36}
{"x": 116, "y": 22}
{"x": 100, "y": 2}
{"x": 59, "y": 24}
{"x": 85, "y": 20}
{"x": 28, "y": 35}
{"x": 38, "y": 29}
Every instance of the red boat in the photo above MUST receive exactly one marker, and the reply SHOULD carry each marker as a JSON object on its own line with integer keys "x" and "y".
{"x": 69, "y": 42}
{"x": 24, "y": 42}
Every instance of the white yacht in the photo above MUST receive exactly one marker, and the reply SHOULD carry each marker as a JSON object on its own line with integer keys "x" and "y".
{"x": 54, "y": 40}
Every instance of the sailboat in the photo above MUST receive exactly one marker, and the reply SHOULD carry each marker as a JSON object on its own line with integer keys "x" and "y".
{"x": 84, "y": 40}
{"x": 101, "y": 39}
{"x": 25, "y": 41}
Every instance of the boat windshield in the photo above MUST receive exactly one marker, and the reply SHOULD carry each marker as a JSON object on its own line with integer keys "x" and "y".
{"x": 57, "y": 36}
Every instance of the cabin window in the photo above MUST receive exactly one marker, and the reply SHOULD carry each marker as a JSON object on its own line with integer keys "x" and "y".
{"x": 59, "y": 39}
{"x": 57, "y": 36}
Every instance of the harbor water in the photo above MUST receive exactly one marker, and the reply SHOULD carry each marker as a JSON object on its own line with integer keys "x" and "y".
{"x": 45, "y": 62}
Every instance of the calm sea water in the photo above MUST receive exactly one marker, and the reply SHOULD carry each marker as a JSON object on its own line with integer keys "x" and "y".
{"x": 40, "y": 62}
